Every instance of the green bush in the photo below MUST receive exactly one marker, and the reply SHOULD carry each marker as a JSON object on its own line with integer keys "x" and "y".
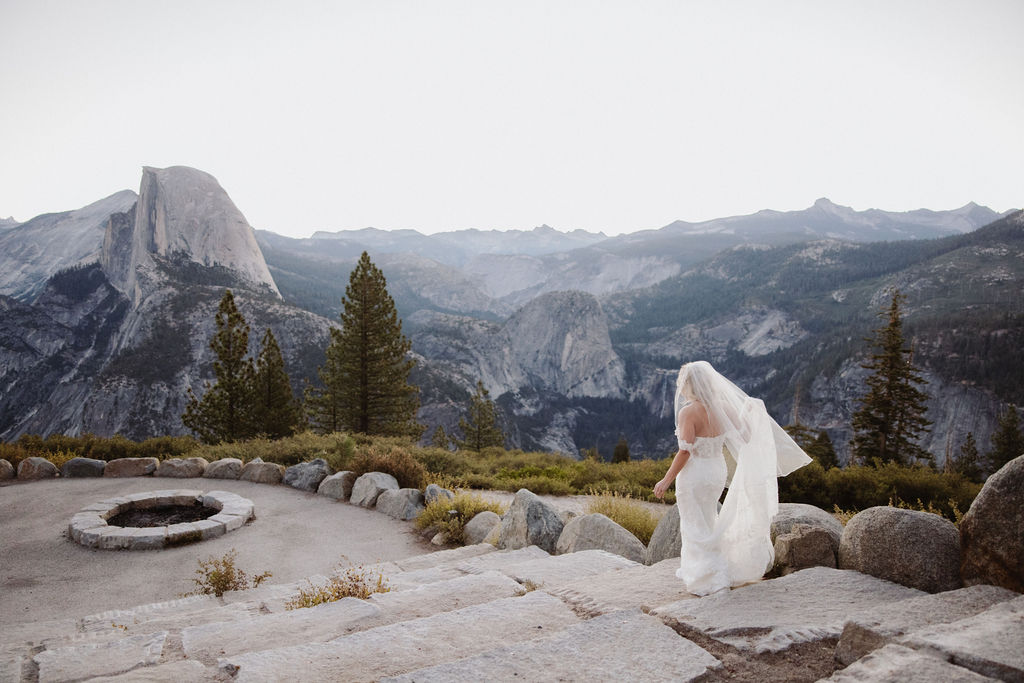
{"x": 451, "y": 516}
{"x": 390, "y": 458}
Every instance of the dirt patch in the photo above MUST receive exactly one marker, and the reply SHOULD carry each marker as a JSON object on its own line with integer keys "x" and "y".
{"x": 164, "y": 515}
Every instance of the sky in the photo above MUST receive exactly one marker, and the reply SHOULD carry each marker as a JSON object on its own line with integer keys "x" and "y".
{"x": 439, "y": 115}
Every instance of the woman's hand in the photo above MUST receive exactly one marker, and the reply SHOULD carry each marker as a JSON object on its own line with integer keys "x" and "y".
{"x": 660, "y": 488}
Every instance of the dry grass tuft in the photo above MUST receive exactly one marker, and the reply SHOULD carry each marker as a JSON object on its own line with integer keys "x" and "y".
{"x": 626, "y": 512}
{"x": 355, "y": 582}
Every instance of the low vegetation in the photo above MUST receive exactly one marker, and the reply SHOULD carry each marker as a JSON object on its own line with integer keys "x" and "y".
{"x": 354, "y": 582}
{"x": 451, "y": 516}
{"x": 627, "y": 513}
{"x": 218, "y": 575}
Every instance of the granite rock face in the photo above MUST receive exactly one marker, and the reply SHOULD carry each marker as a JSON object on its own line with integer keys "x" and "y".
{"x": 530, "y": 521}
{"x": 306, "y": 476}
{"x": 83, "y": 467}
{"x": 369, "y": 486}
{"x": 36, "y": 468}
{"x": 480, "y": 527}
{"x": 992, "y": 531}
{"x": 791, "y": 514}
{"x": 598, "y": 532}
{"x": 404, "y": 504}
{"x": 337, "y": 486}
{"x": 131, "y": 467}
{"x": 225, "y": 468}
{"x": 665, "y": 542}
{"x": 182, "y": 468}
{"x": 908, "y": 547}
{"x": 804, "y": 546}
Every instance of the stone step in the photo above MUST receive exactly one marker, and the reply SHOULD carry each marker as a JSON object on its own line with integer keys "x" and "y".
{"x": 618, "y": 646}
{"x": 443, "y": 557}
{"x": 884, "y": 624}
{"x": 769, "y": 616}
{"x": 408, "y": 645}
{"x": 639, "y": 587}
{"x": 184, "y": 670}
{"x": 898, "y": 664}
{"x": 88, "y": 660}
{"x": 329, "y": 621}
{"x": 482, "y": 562}
{"x": 990, "y": 643}
{"x": 556, "y": 569}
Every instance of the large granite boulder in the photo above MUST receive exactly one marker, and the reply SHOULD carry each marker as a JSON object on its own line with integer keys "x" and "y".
{"x": 530, "y": 521}
{"x": 404, "y": 504}
{"x": 225, "y": 468}
{"x": 992, "y": 531}
{"x": 804, "y": 546}
{"x": 665, "y": 541}
{"x": 182, "y": 468}
{"x": 369, "y": 486}
{"x": 306, "y": 476}
{"x": 83, "y": 467}
{"x": 480, "y": 527}
{"x": 337, "y": 486}
{"x": 260, "y": 472}
{"x": 598, "y": 532}
{"x": 6, "y": 470}
{"x": 434, "y": 492}
{"x": 791, "y": 514}
{"x": 131, "y": 467}
{"x": 908, "y": 547}
{"x": 36, "y": 468}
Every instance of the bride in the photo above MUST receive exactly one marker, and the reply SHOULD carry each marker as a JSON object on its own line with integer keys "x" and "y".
{"x": 726, "y": 439}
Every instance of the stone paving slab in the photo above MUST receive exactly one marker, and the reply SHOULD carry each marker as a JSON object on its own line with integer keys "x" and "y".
{"x": 990, "y": 643}
{"x": 769, "y": 616}
{"x": 80, "y": 662}
{"x": 184, "y": 671}
{"x": 562, "y": 568}
{"x": 628, "y": 588}
{"x": 271, "y": 598}
{"x": 408, "y": 645}
{"x": 885, "y": 623}
{"x": 317, "y": 624}
{"x": 501, "y": 560}
{"x": 898, "y": 664}
{"x": 442, "y": 557}
{"x": 619, "y": 646}
{"x": 442, "y": 596}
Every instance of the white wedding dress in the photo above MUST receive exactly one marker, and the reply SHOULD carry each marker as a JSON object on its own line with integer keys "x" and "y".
{"x": 703, "y": 565}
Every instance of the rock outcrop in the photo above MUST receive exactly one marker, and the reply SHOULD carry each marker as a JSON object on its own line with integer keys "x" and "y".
{"x": 802, "y": 547}
{"x": 83, "y": 467}
{"x": 992, "y": 531}
{"x": 404, "y": 504}
{"x": 480, "y": 527}
{"x": 337, "y": 486}
{"x": 665, "y": 542}
{"x": 36, "y": 468}
{"x": 131, "y": 467}
{"x": 225, "y": 468}
{"x": 912, "y": 548}
{"x": 181, "y": 468}
{"x": 369, "y": 486}
{"x": 598, "y": 532}
{"x": 530, "y": 521}
{"x": 306, "y": 476}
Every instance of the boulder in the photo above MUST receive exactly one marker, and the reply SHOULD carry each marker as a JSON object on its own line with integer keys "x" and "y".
{"x": 598, "y": 532}
{"x": 262, "y": 472}
{"x": 131, "y": 467}
{"x": 83, "y": 467}
{"x": 6, "y": 470}
{"x": 404, "y": 504}
{"x": 433, "y": 492}
{"x": 804, "y": 546}
{"x": 992, "y": 531}
{"x": 337, "y": 486}
{"x": 665, "y": 541}
{"x": 36, "y": 468}
{"x": 225, "y": 468}
{"x": 306, "y": 476}
{"x": 369, "y": 486}
{"x": 480, "y": 527}
{"x": 182, "y": 468}
{"x": 530, "y": 521}
{"x": 791, "y": 514}
{"x": 908, "y": 547}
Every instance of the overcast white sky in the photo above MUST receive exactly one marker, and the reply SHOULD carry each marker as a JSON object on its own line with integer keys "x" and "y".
{"x": 441, "y": 115}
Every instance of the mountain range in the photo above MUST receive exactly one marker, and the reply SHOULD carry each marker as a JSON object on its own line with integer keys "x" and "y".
{"x": 108, "y": 311}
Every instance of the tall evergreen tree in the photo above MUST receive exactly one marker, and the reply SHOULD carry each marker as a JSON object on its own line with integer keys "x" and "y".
{"x": 224, "y": 413}
{"x": 440, "y": 439}
{"x": 968, "y": 462}
{"x": 891, "y": 415}
{"x": 481, "y": 429}
{"x": 275, "y": 412}
{"x": 621, "y": 452}
{"x": 1007, "y": 440}
{"x": 822, "y": 450}
{"x": 366, "y": 377}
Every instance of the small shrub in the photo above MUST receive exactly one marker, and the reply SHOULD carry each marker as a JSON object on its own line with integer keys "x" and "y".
{"x": 438, "y": 514}
{"x": 625, "y": 512}
{"x": 217, "y": 576}
{"x": 356, "y": 582}
{"x": 394, "y": 460}
{"x": 843, "y": 516}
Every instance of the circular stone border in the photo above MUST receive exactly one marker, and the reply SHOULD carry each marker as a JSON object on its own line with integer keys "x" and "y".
{"x": 89, "y": 526}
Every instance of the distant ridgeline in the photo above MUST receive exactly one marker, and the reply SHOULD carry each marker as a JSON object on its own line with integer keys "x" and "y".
{"x": 108, "y": 311}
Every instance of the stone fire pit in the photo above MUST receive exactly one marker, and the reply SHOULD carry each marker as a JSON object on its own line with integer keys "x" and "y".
{"x": 227, "y": 512}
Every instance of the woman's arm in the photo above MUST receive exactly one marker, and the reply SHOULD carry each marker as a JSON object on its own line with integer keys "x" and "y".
{"x": 687, "y": 433}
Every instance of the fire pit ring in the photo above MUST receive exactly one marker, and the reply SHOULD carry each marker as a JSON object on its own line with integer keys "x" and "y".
{"x": 89, "y": 527}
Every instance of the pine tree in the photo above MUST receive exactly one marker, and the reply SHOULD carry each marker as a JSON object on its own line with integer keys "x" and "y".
{"x": 366, "y": 376}
{"x": 968, "y": 462}
{"x": 891, "y": 416}
{"x": 440, "y": 439}
{"x": 822, "y": 450}
{"x": 481, "y": 429}
{"x": 276, "y": 414}
{"x": 225, "y": 411}
{"x": 1007, "y": 441}
{"x": 621, "y": 452}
